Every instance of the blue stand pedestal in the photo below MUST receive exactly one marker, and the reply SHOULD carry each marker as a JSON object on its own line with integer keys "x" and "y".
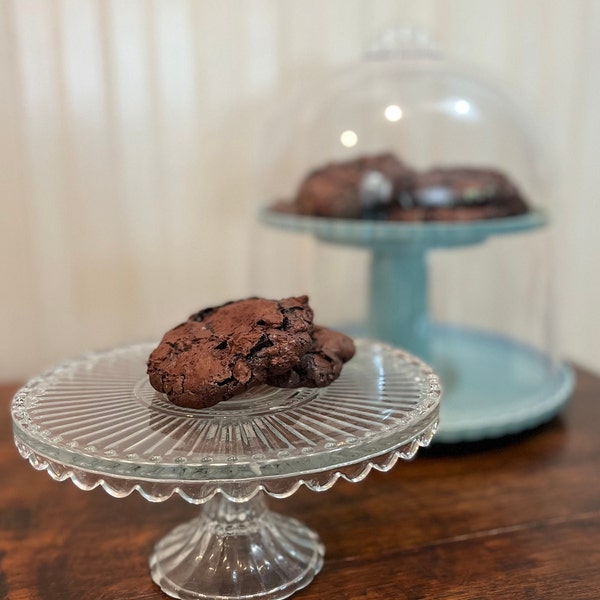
{"x": 398, "y": 299}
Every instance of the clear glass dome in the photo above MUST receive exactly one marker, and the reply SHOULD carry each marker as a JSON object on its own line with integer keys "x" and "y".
{"x": 416, "y": 191}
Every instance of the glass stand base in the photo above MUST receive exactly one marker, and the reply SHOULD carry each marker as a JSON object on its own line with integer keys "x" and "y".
{"x": 236, "y": 550}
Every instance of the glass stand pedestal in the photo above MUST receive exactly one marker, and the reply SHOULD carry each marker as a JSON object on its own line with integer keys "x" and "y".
{"x": 237, "y": 550}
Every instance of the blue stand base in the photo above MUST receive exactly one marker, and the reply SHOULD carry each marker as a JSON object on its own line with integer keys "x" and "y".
{"x": 494, "y": 385}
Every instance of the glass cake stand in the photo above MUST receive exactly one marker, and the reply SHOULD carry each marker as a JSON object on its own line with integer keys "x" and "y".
{"x": 98, "y": 422}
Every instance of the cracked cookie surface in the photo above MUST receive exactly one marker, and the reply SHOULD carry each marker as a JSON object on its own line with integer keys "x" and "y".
{"x": 222, "y": 351}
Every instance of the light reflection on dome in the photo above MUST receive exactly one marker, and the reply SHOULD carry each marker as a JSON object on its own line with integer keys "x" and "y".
{"x": 462, "y": 106}
{"x": 349, "y": 138}
{"x": 393, "y": 113}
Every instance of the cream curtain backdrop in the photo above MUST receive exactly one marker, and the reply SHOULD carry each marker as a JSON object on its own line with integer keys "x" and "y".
{"x": 128, "y": 138}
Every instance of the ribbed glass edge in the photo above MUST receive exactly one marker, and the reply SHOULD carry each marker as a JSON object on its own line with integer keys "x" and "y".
{"x": 249, "y": 471}
{"x": 198, "y": 492}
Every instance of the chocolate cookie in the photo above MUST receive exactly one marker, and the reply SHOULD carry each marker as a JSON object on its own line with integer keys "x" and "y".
{"x": 322, "y": 364}
{"x": 383, "y": 187}
{"x": 359, "y": 188}
{"x": 460, "y": 194}
{"x": 222, "y": 351}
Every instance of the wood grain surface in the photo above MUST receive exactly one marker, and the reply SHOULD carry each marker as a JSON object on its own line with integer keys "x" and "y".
{"x": 515, "y": 518}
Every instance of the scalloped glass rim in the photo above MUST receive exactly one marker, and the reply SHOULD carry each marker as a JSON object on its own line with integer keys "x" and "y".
{"x": 200, "y": 492}
{"x": 431, "y": 233}
{"x": 47, "y": 401}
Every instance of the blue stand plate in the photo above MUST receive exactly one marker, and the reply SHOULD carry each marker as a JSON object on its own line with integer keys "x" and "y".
{"x": 375, "y": 234}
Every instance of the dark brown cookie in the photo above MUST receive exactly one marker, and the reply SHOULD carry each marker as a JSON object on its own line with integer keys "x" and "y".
{"x": 358, "y": 188}
{"x": 222, "y": 351}
{"x": 322, "y": 364}
{"x": 460, "y": 194}
{"x": 383, "y": 187}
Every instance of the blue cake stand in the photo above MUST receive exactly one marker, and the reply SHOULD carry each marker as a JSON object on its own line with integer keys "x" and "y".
{"x": 480, "y": 400}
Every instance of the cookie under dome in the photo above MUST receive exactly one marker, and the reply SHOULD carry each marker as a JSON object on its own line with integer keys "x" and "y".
{"x": 468, "y": 289}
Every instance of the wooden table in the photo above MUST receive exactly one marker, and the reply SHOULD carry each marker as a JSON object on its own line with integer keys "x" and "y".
{"x": 517, "y": 518}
